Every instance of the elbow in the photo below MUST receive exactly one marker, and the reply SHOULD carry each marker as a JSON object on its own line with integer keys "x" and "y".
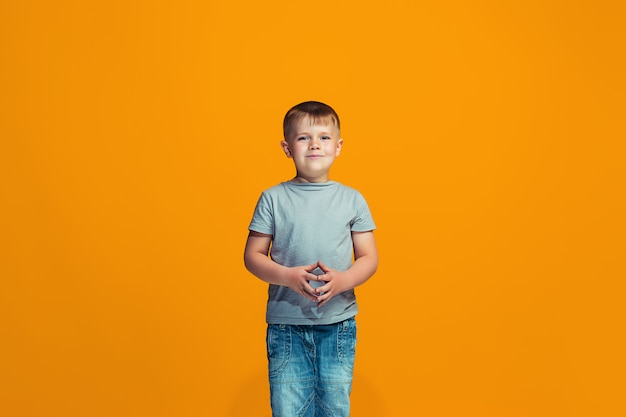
{"x": 374, "y": 264}
{"x": 246, "y": 259}
{"x": 247, "y": 262}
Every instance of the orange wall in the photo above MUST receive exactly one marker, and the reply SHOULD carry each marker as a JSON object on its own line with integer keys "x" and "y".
{"x": 487, "y": 137}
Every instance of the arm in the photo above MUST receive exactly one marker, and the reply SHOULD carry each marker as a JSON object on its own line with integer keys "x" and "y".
{"x": 259, "y": 264}
{"x": 364, "y": 265}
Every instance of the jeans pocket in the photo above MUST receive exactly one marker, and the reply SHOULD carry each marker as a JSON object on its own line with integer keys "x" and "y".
{"x": 346, "y": 343}
{"x": 278, "y": 348}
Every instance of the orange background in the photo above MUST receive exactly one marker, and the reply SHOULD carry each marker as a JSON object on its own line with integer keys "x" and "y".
{"x": 487, "y": 137}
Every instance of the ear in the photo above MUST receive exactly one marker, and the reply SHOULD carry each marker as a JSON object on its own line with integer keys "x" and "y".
{"x": 339, "y": 145}
{"x": 285, "y": 147}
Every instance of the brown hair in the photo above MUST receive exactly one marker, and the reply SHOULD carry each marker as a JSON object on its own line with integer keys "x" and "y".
{"x": 316, "y": 111}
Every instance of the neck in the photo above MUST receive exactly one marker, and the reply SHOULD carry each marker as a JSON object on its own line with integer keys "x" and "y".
{"x": 301, "y": 179}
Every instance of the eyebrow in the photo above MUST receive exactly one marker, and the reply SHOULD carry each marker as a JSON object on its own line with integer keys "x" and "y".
{"x": 308, "y": 133}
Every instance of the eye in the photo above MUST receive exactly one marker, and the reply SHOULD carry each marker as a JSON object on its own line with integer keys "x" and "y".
{"x": 325, "y": 137}
{"x": 302, "y": 138}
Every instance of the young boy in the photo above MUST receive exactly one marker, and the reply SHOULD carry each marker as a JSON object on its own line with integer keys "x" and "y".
{"x": 315, "y": 227}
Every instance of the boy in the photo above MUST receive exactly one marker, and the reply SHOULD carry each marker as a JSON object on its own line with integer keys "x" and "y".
{"x": 314, "y": 227}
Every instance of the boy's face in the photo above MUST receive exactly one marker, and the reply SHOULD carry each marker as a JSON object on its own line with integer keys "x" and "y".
{"x": 313, "y": 148}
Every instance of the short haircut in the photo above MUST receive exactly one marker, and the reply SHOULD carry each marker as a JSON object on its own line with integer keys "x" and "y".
{"x": 316, "y": 111}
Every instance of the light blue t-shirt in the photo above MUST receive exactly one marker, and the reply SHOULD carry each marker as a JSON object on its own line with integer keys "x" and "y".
{"x": 310, "y": 222}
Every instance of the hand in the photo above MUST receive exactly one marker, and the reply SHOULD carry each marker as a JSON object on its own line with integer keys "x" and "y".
{"x": 298, "y": 280}
{"x": 334, "y": 284}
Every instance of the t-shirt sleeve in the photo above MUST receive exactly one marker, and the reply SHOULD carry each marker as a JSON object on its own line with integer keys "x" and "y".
{"x": 263, "y": 217}
{"x": 363, "y": 221}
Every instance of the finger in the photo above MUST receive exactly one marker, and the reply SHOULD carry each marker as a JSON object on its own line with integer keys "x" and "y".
{"x": 323, "y": 299}
{"x": 312, "y": 277}
{"x": 309, "y": 292}
{"x": 324, "y": 278}
{"x": 311, "y": 267}
{"x": 319, "y": 278}
{"x": 323, "y": 267}
{"x": 323, "y": 289}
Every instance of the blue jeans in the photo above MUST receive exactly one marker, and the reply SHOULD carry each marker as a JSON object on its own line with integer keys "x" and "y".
{"x": 310, "y": 369}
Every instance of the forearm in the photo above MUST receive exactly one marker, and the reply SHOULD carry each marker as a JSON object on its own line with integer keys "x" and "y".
{"x": 361, "y": 270}
{"x": 366, "y": 260}
{"x": 265, "y": 269}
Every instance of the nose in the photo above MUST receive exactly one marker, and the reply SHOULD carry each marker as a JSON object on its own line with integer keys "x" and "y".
{"x": 314, "y": 143}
